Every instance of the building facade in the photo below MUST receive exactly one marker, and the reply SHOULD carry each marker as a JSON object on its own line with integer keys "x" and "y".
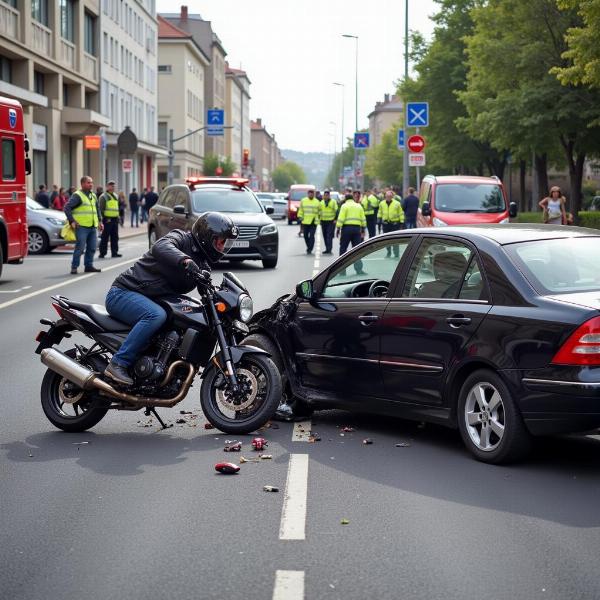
{"x": 265, "y": 156}
{"x": 49, "y": 61}
{"x": 129, "y": 94}
{"x": 182, "y": 66}
{"x": 386, "y": 114}
{"x": 237, "y": 113}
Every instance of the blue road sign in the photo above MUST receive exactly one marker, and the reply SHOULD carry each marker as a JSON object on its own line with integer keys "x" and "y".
{"x": 400, "y": 140}
{"x": 212, "y": 131}
{"x": 215, "y": 117}
{"x": 361, "y": 140}
{"x": 417, "y": 114}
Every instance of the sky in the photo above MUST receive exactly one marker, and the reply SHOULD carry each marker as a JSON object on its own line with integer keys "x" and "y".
{"x": 293, "y": 51}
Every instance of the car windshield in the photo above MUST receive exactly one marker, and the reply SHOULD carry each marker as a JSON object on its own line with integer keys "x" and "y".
{"x": 469, "y": 197}
{"x": 33, "y": 205}
{"x": 232, "y": 200}
{"x": 265, "y": 196}
{"x": 298, "y": 194}
{"x": 559, "y": 266}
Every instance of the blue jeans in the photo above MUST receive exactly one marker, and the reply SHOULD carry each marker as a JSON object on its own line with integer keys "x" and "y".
{"x": 87, "y": 238}
{"x": 328, "y": 228}
{"x": 135, "y": 309}
{"x": 410, "y": 223}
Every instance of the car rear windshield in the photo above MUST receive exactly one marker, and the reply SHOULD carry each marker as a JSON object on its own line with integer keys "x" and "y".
{"x": 469, "y": 198}
{"x": 559, "y": 266}
{"x": 233, "y": 200}
{"x": 298, "y": 194}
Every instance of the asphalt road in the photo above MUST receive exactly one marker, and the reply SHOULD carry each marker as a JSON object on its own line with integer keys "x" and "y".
{"x": 140, "y": 513}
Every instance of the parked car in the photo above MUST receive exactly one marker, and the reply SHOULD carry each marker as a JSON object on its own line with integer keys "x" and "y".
{"x": 276, "y": 201}
{"x": 180, "y": 205}
{"x": 494, "y": 330}
{"x": 463, "y": 200}
{"x": 295, "y": 195}
{"x": 44, "y": 226}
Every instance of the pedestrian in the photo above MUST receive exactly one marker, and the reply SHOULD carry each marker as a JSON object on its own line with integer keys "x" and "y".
{"x": 99, "y": 191}
{"x": 83, "y": 214}
{"x": 351, "y": 224}
{"x": 42, "y": 196}
{"x": 370, "y": 204}
{"x": 53, "y": 195}
{"x": 151, "y": 199}
{"x": 308, "y": 213}
{"x": 554, "y": 207}
{"x": 389, "y": 217}
{"x": 109, "y": 210}
{"x": 60, "y": 200}
{"x": 327, "y": 215}
{"x": 134, "y": 207}
{"x": 144, "y": 212}
{"x": 122, "y": 208}
{"x": 410, "y": 206}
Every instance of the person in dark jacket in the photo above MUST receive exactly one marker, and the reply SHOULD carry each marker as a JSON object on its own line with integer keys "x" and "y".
{"x": 134, "y": 207}
{"x": 410, "y": 206}
{"x": 151, "y": 199}
{"x": 42, "y": 196}
{"x": 169, "y": 267}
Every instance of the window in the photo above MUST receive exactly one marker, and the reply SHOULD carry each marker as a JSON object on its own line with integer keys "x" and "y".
{"x": 162, "y": 134}
{"x": 90, "y": 34}
{"x": 445, "y": 269}
{"x": 468, "y": 197}
{"x": 375, "y": 264}
{"x": 164, "y": 68}
{"x": 5, "y": 69}
{"x": 66, "y": 19}
{"x": 9, "y": 167}
{"x": 65, "y": 94}
{"x": 105, "y": 49}
{"x": 38, "y": 82}
{"x": 39, "y": 11}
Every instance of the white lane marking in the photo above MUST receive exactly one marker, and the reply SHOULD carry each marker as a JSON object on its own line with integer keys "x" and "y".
{"x": 25, "y": 287}
{"x": 293, "y": 513}
{"x": 301, "y": 431}
{"x": 76, "y": 279}
{"x": 289, "y": 585}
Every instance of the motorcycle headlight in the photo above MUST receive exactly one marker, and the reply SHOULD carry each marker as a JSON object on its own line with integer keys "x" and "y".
{"x": 56, "y": 221}
{"x": 246, "y": 308}
{"x": 439, "y": 223}
{"x": 268, "y": 229}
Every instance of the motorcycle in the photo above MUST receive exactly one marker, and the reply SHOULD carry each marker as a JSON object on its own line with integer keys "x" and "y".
{"x": 240, "y": 389}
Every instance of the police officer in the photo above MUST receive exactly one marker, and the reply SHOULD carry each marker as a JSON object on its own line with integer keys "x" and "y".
{"x": 308, "y": 214}
{"x": 109, "y": 209}
{"x": 351, "y": 224}
{"x": 83, "y": 214}
{"x": 370, "y": 205}
{"x": 329, "y": 210}
{"x": 390, "y": 211}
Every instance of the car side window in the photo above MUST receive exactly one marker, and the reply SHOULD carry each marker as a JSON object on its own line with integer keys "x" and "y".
{"x": 179, "y": 197}
{"x": 473, "y": 285}
{"x": 166, "y": 199}
{"x": 9, "y": 171}
{"x": 440, "y": 269}
{"x": 356, "y": 277}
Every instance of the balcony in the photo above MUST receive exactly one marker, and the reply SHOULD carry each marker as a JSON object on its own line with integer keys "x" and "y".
{"x": 67, "y": 54}
{"x": 41, "y": 39}
{"x": 9, "y": 22}
{"x": 90, "y": 67}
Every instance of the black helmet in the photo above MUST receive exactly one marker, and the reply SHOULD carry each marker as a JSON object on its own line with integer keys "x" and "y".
{"x": 214, "y": 232}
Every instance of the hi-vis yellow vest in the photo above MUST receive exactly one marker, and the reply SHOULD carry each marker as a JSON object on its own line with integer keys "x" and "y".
{"x": 86, "y": 214}
{"x": 111, "y": 207}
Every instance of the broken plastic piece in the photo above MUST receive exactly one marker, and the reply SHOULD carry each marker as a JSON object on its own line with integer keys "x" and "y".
{"x": 265, "y": 456}
{"x": 403, "y": 445}
{"x": 270, "y": 488}
{"x": 314, "y": 438}
{"x": 237, "y": 447}
{"x": 208, "y": 426}
{"x": 245, "y": 460}
{"x": 79, "y": 443}
{"x": 185, "y": 412}
{"x": 227, "y": 468}
{"x": 345, "y": 522}
{"x": 180, "y": 421}
{"x": 348, "y": 429}
{"x": 259, "y": 443}
{"x": 367, "y": 441}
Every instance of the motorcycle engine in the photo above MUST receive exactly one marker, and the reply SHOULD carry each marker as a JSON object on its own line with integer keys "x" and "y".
{"x": 144, "y": 367}
{"x": 148, "y": 368}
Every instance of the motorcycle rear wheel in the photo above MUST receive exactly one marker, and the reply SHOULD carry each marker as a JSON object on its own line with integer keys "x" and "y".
{"x": 80, "y": 416}
{"x": 260, "y": 375}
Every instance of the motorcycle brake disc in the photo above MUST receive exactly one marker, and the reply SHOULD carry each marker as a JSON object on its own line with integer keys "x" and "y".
{"x": 225, "y": 399}
{"x": 67, "y": 396}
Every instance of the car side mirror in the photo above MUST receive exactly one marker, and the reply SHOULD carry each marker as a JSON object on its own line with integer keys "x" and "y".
{"x": 426, "y": 209}
{"x": 512, "y": 210}
{"x": 269, "y": 210}
{"x": 305, "y": 290}
{"x": 179, "y": 209}
{"x": 27, "y": 166}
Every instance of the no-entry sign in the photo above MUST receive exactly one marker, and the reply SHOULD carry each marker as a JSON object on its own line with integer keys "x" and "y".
{"x": 416, "y": 143}
{"x": 127, "y": 165}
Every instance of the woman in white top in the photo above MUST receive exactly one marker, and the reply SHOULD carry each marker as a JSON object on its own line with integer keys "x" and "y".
{"x": 554, "y": 207}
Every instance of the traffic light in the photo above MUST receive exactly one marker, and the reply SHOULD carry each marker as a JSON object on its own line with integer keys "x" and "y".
{"x": 246, "y": 159}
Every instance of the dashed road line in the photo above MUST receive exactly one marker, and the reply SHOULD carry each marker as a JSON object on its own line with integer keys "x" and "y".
{"x": 289, "y": 585}
{"x": 301, "y": 431}
{"x": 293, "y": 513}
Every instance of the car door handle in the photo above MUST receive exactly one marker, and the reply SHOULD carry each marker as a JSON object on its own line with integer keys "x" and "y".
{"x": 367, "y": 319}
{"x": 458, "y": 320}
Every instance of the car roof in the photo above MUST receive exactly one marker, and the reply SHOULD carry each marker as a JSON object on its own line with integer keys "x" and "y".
{"x": 512, "y": 233}
{"x": 463, "y": 179}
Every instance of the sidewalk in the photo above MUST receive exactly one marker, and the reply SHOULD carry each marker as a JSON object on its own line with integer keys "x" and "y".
{"x": 126, "y": 231}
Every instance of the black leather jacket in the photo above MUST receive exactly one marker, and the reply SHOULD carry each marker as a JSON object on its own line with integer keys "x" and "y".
{"x": 160, "y": 272}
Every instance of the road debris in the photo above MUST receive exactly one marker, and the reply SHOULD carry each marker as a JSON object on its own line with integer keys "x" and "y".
{"x": 227, "y": 468}
{"x": 421, "y": 425}
{"x": 208, "y": 426}
{"x": 259, "y": 443}
{"x": 185, "y": 412}
{"x": 79, "y": 443}
{"x": 367, "y": 441}
{"x": 181, "y": 421}
{"x": 345, "y": 522}
{"x": 29, "y": 454}
{"x": 265, "y": 456}
{"x": 314, "y": 437}
{"x": 270, "y": 488}
{"x": 403, "y": 445}
{"x": 245, "y": 460}
{"x": 233, "y": 447}
{"x": 347, "y": 429}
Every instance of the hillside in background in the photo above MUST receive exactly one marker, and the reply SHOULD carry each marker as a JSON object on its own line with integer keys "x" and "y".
{"x": 314, "y": 164}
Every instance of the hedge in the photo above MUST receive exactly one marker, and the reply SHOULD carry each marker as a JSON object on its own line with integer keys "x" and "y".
{"x": 587, "y": 218}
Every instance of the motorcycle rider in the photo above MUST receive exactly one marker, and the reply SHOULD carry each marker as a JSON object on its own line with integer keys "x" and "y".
{"x": 171, "y": 266}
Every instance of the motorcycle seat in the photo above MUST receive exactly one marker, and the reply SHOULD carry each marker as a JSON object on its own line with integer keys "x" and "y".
{"x": 99, "y": 314}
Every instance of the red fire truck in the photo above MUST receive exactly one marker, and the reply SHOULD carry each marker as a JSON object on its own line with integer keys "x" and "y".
{"x": 15, "y": 166}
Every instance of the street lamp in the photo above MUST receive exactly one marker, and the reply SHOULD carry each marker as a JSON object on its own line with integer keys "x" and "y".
{"x": 405, "y": 173}
{"x": 355, "y": 37}
{"x": 343, "y": 102}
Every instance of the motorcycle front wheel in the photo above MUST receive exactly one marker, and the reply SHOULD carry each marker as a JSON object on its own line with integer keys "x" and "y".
{"x": 252, "y": 406}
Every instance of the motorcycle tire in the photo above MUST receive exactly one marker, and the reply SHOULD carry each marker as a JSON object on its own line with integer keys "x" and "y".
{"x": 265, "y": 373}
{"x": 82, "y": 415}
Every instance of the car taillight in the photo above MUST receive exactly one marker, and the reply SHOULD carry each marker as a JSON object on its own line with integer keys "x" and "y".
{"x": 582, "y": 347}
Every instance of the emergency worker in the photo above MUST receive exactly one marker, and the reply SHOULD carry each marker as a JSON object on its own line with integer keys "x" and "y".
{"x": 109, "y": 209}
{"x": 390, "y": 211}
{"x": 351, "y": 224}
{"x": 370, "y": 204}
{"x": 327, "y": 215}
{"x": 308, "y": 214}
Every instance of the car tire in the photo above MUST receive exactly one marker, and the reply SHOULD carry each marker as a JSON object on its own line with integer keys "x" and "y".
{"x": 38, "y": 241}
{"x": 489, "y": 420}
{"x": 269, "y": 263}
{"x": 1, "y": 258}
{"x": 151, "y": 237}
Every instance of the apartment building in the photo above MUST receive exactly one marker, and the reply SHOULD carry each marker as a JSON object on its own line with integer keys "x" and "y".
{"x": 386, "y": 114}
{"x": 129, "y": 94}
{"x": 182, "y": 66}
{"x": 49, "y": 62}
{"x": 237, "y": 111}
{"x": 265, "y": 156}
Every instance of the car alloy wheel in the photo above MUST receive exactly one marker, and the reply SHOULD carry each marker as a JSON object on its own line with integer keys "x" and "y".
{"x": 37, "y": 242}
{"x": 485, "y": 416}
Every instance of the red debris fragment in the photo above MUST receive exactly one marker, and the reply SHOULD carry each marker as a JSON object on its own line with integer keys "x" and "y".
{"x": 259, "y": 443}
{"x": 227, "y": 468}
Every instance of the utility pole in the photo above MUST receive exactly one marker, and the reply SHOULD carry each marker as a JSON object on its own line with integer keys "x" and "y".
{"x": 405, "y": 173}
{"x": 340, "y": 174}
{"x": 356, "y": 162}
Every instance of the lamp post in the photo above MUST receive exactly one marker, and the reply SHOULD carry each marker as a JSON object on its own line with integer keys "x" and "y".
{"x": 355, "y": 37}
{"x": 405, "y": 167}
{"x": 343, "y": 139}
{"x": 332, "y": 157}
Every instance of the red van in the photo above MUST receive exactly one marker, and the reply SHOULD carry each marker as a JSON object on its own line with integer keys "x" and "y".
{"x": 463, "y": 200}
{"x": 15, "y": 167}
{"x": 296, "y": 193}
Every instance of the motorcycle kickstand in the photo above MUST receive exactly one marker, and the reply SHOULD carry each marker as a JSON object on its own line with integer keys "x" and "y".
{"x": 150, "y": 410}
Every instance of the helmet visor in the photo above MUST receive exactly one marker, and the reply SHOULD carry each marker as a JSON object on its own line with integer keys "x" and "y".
{"x": 223, "y": 245}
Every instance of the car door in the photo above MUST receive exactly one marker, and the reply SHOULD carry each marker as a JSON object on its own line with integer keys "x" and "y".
{"x": 335, "y": 337}
{"x": 180, "y": 197}
{"x": 430, "y": 318}
{"x": 162, "y": 213}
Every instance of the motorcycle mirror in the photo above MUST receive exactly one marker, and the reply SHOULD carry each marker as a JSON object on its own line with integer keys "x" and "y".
{"x": 512, "y": 210}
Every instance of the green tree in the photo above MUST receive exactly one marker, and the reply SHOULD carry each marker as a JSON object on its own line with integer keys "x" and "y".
{"x": 212, "y": 162}
{"x": 286, "y": 174}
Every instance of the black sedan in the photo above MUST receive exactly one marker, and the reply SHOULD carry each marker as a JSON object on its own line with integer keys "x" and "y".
{"x": 492, "y": 329}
